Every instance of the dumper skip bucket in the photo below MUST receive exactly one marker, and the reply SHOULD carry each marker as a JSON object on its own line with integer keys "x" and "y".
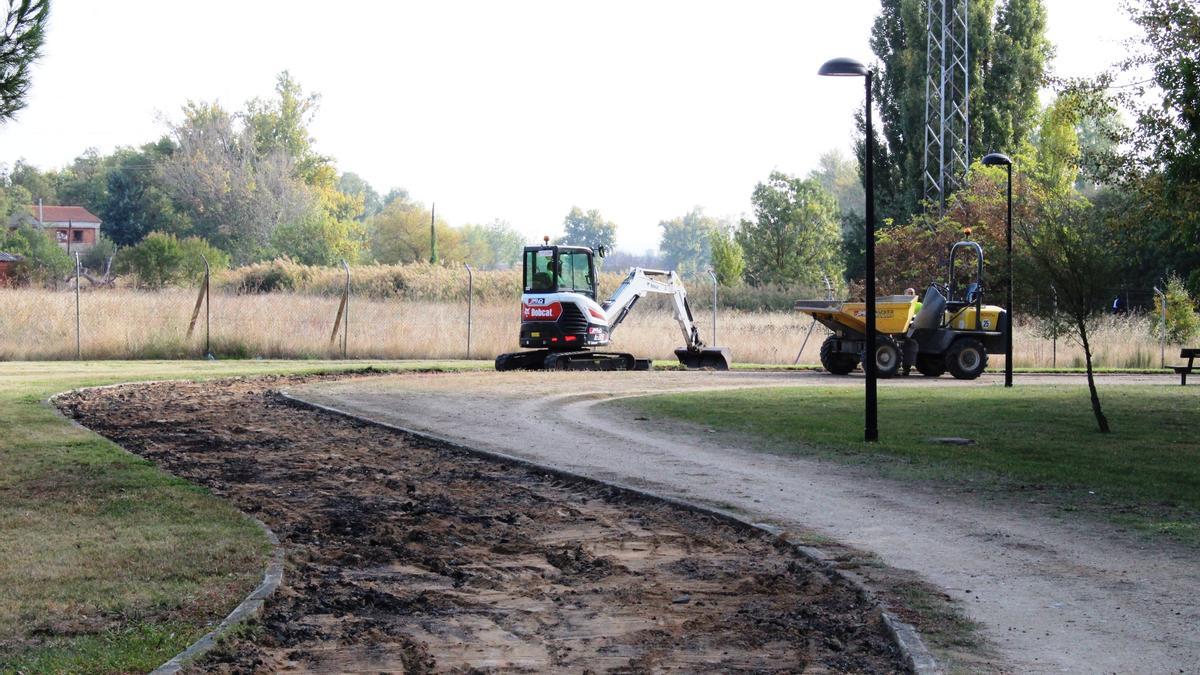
{"x": 712, "y": 358}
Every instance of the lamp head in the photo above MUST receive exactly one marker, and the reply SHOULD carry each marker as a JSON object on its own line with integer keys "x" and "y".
{"x": 842, "y": 67}
{"x": 997, "y": 159}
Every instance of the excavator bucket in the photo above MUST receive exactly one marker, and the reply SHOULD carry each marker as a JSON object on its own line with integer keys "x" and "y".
{"x": 713, "y": 358}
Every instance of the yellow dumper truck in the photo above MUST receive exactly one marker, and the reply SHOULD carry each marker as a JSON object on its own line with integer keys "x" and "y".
{"x": 952, "y": 331}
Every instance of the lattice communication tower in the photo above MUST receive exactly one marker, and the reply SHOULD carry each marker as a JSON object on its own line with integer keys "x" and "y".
{"x": 947, "y": 85}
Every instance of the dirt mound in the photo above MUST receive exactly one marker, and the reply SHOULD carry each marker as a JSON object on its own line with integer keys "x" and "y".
{"x": 403, "y": 555}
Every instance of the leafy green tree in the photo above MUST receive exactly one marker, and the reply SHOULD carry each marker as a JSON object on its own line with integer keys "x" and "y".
{"x": 685, "y": 243}
{"x": 353, "y": 184}
{"x": 491, "y": 246}
{"x": 44, "y": 260}
{"x": 1073, "y": 246}
{"x": 1007, "y": 59}
{"x": 728, "y": 260}
{"x": 24, "y": 31}
{"x": 400, "y": 234}
{"x": 39, "y": 185}
{"x": 137, "y": 202}
{"x": 317, "y": 239}
{"x": 1058, "y": 153}
{"x": 795, "y": 237}
{"x": 588, "y": 229}
{"x": 1183, "y": 324}
{"x": 1008, "y": 112}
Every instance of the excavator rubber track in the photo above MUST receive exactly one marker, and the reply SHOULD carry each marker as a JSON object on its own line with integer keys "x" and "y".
{"x": 543, "y": 359}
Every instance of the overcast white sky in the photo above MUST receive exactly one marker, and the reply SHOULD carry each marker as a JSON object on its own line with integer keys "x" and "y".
{"x": 513, "y": 110}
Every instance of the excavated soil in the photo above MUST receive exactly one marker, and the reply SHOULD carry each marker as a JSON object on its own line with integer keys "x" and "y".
{"x": 402, "y": 555}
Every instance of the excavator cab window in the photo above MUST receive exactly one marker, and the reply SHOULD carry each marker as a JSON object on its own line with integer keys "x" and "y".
{"x": 539, "y": 270}
{"x": 575, "y": 272}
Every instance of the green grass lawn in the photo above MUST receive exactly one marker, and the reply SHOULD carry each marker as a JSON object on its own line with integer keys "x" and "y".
{"x": 1036, "y": 441}
{"x": 106, "y": 563}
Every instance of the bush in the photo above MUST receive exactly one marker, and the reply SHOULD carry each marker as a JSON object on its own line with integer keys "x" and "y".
{"x": 161, "y": 260}
{"x": 96, "y": 257}
{"x": 44, "y": 260}
{"x": 1182, "y": 322}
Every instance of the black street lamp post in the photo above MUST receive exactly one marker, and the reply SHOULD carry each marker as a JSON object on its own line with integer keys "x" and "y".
{"x": 843, "y": 67}
{"x": 1001, "y": 159}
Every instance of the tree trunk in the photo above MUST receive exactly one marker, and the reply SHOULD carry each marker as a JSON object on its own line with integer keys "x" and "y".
{"x": 1087, "y": 355}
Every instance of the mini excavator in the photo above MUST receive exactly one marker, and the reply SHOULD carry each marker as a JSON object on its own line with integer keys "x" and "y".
{"x": 565, "y": 327}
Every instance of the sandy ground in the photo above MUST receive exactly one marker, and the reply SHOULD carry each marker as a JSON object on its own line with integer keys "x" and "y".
{"x": 1052, "y": 594}
{"x": 402, "y": 556}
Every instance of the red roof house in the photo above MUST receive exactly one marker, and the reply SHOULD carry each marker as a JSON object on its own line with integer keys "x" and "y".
{"x": 75, "y": 228}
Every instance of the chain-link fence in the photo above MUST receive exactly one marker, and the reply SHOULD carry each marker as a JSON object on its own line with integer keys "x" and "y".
{"x": 117, "y": 323}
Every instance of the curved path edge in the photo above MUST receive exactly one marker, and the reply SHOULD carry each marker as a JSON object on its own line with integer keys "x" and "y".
{"x": 918, "y": 656}
{"x": 248, "y": 608}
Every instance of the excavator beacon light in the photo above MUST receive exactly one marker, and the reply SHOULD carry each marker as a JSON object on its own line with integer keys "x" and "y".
{"x": 546, "y": 238}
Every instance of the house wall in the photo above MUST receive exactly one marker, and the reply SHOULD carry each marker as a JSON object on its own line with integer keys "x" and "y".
{"x": 5, "y": 272}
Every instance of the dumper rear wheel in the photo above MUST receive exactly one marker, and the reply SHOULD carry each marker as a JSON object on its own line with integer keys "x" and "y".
{"x": 838, "y": 363}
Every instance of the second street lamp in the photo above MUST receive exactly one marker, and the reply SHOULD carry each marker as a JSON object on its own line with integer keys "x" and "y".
{"x": 1001, "y": 159}
{"x": 843, "y": 67}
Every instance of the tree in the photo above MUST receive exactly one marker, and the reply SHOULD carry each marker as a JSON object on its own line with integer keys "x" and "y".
{"x": 1074, "y": 247}
{"x": 588, "y": 229}
{"x": 1182, "y": 323}
{"x": 400, "y": 234}
{"x": 39, "y": 185}
{"x": 728, "y": 260}
{"x": 491, "y": 246}
{"x": 1058, "y": 153}
{"x": 795, "y": 235}
{"x": 234, "y": 197}
{"x": 353, "y": 184}
{"x": 685, "y": 242}
{"x": 1009, "y": 105}
{"x": 20, "y": 45}
{"x": 137, "y": 203}
{"x": 1007, "y": 61}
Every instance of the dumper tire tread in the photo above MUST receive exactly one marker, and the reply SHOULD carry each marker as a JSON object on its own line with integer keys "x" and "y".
{"x": 836, "y": 363}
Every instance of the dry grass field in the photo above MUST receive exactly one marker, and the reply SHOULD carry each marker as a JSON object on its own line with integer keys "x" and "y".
{"x": 126, "y": 323}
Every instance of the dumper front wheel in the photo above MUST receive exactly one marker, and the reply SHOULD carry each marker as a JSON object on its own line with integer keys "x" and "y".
{"x": 838, "y": 363}
{"x": 966, "y": 359}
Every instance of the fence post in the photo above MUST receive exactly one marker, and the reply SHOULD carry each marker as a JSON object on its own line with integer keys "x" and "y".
{"x": 713, "y": 276}
{"x": 346, "y": 316}
{"x": 1054, "y": 334}
{"x": 470, "y": 304}
{"x": 78, "y": 339}
{"x": 207, "y": 310}
{"x": 1162, "y": 334}
{"x": 202, "y": 297}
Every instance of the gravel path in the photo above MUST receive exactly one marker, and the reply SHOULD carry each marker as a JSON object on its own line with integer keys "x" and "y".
{"x": 1052, "y": 595}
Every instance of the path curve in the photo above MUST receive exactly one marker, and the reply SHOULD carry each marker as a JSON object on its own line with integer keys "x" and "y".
{"x": 1052, "y": 595}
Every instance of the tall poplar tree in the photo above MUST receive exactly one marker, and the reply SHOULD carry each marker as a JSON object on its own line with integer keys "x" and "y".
{"x": 1006, "y": 60}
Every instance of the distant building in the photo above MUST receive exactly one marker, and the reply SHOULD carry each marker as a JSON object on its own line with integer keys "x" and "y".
{"x": 6, "y": 263}
{"x": 74, "y": 227}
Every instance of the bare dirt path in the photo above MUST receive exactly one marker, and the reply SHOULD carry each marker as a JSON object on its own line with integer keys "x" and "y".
{"x": 406, "y": 556}
{"x": 1052, "y": 594}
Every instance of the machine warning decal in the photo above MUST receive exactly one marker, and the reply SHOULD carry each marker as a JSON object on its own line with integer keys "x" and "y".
{"x": 550, "y": 312}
